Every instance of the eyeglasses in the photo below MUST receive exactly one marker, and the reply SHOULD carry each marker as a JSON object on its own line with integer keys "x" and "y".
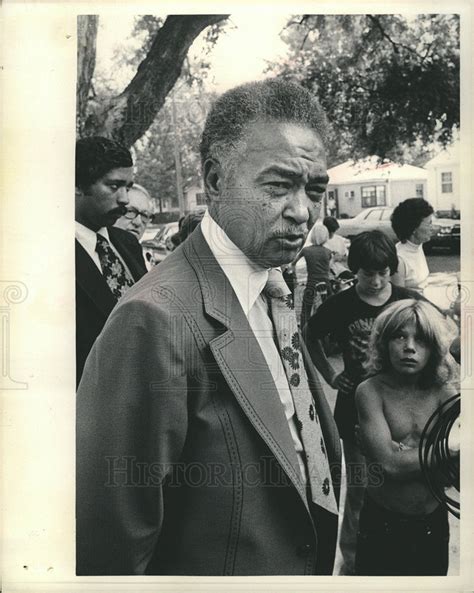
{"x": 132, "y": 213}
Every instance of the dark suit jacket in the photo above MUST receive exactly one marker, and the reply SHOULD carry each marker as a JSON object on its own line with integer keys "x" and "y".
{"x": 94, "y": 300}
{"x": 185, "y": 461}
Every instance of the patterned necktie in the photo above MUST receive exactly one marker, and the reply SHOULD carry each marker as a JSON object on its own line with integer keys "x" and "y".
{"x": 288, "y": 338}
{"x": 113, "y": 270}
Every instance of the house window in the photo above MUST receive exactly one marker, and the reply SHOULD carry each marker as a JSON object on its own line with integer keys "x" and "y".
{"x": 200, "y": 199}
{"x": 447, "y": 183}
{"x": 373, "y": 195}
{"x": 419, "y": 190}
{"x": 352, "y": 193}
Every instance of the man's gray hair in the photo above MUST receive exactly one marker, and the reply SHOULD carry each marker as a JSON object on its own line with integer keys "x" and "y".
{"x": 145, "y": 192}
{"x": 271, "y": 100}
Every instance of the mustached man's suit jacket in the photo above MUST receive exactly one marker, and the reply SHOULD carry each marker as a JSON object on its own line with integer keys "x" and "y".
{"x": 185, "y": 461}
{"x": 94, "y": 299}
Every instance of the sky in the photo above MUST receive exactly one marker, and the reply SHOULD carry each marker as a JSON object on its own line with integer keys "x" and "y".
{"x": 240, "y": 54}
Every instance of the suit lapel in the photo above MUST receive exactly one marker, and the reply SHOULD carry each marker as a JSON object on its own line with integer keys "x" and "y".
{"x": 241, "y": 360}
{"x": 91, "y": 281}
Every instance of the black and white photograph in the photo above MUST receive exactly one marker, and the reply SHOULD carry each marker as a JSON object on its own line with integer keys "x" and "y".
{"x": 243, "y": 336}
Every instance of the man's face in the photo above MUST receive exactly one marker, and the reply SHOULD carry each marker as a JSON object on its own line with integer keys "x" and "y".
{"x": 372, "y": 282}
{"x": 105, "y": 201}
{"x": 271, "y": 196}
{"x": 407, "y": 351}
{"x": 140, "y": 205}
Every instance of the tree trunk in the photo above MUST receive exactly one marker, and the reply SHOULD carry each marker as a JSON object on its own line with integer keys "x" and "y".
{"x": 128, "y": 115}
{"x": 86, "y": 52}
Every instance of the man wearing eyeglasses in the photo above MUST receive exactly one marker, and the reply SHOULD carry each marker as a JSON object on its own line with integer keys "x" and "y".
{"x": 108, "y": 260}
{"x": 139, "y": 212}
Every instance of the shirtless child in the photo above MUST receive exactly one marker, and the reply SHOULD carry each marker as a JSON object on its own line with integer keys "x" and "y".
{"x": 403, "y": 530}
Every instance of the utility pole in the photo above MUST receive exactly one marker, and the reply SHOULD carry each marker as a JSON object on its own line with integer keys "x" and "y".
{"x": 177, "y": 159}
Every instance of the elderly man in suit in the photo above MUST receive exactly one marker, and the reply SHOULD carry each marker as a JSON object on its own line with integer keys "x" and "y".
{"x": 108, "y": 260}
{"x": 205, "y": 445}
{"x": 139, "y": 211}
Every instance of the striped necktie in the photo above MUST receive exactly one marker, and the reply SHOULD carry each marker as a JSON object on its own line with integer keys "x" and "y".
{"x": 288, "y": 341}
{"x": 117, "y": 277}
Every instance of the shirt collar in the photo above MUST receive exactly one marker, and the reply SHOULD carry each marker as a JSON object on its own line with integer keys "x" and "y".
{"x": 88, "y": 237}
{"x": 413, "y": 246}
{"x": 246, "y": 278}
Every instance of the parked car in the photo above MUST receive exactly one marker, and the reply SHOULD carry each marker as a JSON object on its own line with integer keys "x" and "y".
{"x": 446, "y": 231}
{"x": 370, "y": 219}
{"x": 150, "y": 232}
{"x": 453, "y": 213}
{"x": 160, "y": 246}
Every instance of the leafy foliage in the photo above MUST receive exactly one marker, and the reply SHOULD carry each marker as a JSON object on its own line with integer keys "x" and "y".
{"x": 387, "y": 82}
{"x": 154, "y": 152}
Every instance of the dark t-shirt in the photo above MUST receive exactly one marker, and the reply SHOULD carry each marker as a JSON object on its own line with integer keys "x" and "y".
{"x": 349, "y": 320}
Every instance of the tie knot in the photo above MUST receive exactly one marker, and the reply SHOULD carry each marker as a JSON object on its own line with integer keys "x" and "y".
{"x": 276, "y": 287}
{"x": 101, "y": 242}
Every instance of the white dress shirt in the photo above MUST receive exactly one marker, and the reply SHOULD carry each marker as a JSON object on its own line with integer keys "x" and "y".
{"x": 88, "y": 239}
{"x": 248, "y": 280}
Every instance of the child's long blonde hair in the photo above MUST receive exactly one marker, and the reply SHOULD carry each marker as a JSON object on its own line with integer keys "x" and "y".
{"x": 434, "y": 329}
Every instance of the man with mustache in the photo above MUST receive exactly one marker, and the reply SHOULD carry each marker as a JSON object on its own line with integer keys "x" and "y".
{"x": 205, "y": 445}
{"x": 108, "y": 260}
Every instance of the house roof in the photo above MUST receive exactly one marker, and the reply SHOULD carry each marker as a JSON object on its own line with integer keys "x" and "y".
{"x": 370, "y": 170}
{"x": 448, "y": 156}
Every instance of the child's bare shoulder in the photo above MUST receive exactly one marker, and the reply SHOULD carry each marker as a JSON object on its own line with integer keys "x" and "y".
{"x": 371, "y": 389}
{"x": 446, "y": 391}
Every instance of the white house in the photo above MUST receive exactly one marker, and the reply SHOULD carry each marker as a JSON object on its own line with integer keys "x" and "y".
{"x": 194, "y": 197}
{"x": 365, "y": 183}
{"x": 443, "y": 179}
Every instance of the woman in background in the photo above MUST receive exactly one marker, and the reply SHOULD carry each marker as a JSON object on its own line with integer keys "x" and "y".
{"x": 337, "y": 245}
{"x": 412, "y": 223}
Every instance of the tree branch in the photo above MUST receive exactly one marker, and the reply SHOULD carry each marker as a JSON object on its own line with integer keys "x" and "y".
{"x": 384, "y": 34}
{"x": 86, "y": 50}
{"x": 127, "y": 116}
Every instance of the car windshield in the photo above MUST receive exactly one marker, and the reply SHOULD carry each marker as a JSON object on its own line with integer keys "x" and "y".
{"x": 441, "y": 220}
{"x": 160, "y": 234}
{"x": 373, "y": 215}
{"x": 150, "y": 233}
{"x": 170, "y": 230}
